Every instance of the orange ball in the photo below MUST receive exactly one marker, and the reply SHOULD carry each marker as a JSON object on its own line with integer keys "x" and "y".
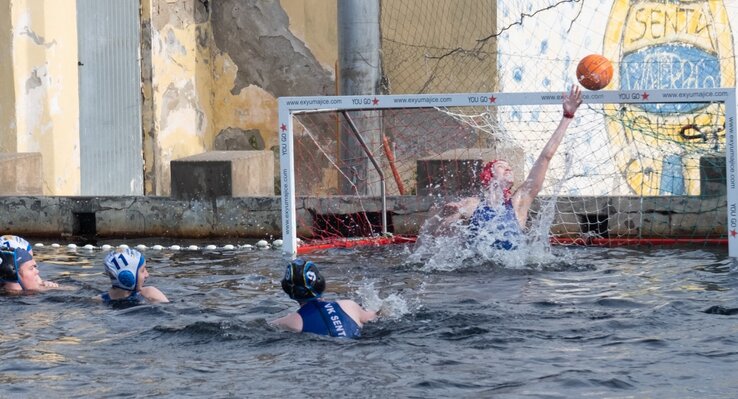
{"x": 594, "y": 72}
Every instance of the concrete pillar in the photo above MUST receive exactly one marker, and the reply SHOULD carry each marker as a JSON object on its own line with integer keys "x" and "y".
{"x": 359, "y": 74}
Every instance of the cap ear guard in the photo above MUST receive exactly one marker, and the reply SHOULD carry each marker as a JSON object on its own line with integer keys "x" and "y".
{"x": 8, "y": 267}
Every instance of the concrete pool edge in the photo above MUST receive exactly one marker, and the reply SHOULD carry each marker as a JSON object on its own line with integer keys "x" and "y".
{"x": 260, "y": 217}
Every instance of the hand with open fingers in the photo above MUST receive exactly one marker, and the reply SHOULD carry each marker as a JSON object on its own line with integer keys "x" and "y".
{"x": 572, "y": 101}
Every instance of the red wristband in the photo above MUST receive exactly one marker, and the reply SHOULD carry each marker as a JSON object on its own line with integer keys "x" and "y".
{"x": 568, "y": 115}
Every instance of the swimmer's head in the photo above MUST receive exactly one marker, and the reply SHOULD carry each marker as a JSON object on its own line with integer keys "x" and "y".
{"x": 122, "y": 267}
{"x": 10, "y": 260}
{"x": 302, "y": 280}
{"x": 12, "y": 242}
{"x": 496, "y": 170}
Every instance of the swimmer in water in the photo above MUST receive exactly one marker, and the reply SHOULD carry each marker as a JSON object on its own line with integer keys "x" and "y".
{"x": 303, "y": 282}
{"x": 11, "y": 242}
{"x": 19, "y": 272}
{"x": 127, "y": 271}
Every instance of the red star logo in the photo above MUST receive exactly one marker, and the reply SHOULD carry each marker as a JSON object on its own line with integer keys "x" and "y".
{"x": 492, "y": 99}
{"x": 733, "y": 233}
{"x": 283, "y": 127}
{"x": 645, "y": 95}
{"x": 375, "y": 101}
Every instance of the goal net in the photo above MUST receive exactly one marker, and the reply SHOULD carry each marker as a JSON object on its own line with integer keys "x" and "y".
{"x": 634, "y": 166}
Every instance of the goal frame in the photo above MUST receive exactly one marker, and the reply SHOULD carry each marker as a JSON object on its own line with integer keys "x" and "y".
{"x": 290, "y": 106}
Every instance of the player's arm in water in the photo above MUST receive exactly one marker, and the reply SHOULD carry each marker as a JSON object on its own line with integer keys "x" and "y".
{"x": 358, "y": 313}
{"x": 523, "y": 197}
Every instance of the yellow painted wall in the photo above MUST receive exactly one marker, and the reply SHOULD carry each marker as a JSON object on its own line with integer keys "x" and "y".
{"x": 314, "y": 22}
{"x": 44, "y": 64}
{"x": 8, "y": 140}
{"x": 181, "y": 111}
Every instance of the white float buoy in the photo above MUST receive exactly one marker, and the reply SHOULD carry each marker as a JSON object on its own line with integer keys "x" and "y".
{"x": 123, "y": 246}
{"x": 193, "y": 248}
{"x": 72, "y": 246}
{"x": 89, "y": 247}
{"x": 262, "y": 244}
{"x": 38, "y": 244}
{"x": 55, "y": 245}
{"x": 228, "y": 246}
{"x": 246, "y": 246}
{"x": 211, "y": 247}
{"x": 175, "y": 247}
{"x": 277, "y": 243}
{"x": 141, "y": 247}
{"x": 106, "y": 247}
{"x": 157, "y": 247}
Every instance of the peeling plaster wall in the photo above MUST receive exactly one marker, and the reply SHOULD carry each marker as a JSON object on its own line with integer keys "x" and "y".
{"x": 215, "y": 69}
{"x": 44, "y": 59}
{"x": 178, "y": 96}
{"x": 8, "y": 139}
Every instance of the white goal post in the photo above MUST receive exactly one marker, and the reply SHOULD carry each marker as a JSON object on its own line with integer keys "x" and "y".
{"x": 292, "y": 107}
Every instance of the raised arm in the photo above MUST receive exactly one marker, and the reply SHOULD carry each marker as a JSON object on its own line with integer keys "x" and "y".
{"x": 524, "y": 196}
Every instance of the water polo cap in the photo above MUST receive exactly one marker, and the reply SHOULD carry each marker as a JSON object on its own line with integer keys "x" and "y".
{"x": 122, "y": 266}
{"x": 487, "y": 173}
{"x": 302, "y": 280}
{"x": 12, "y": 242}
{"x": 10, "y": 261}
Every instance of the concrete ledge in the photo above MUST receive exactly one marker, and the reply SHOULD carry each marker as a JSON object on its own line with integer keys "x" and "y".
{"x": 260, "y": 217}
{"x": 223, "y": 173}
{"x": 21, "y": 173}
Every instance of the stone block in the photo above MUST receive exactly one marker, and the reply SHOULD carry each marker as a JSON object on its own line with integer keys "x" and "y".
{"x": 712, "y": 176}
{"x": 223, "y": 173}
{"x": 21, "y": 173}
{"x": 456, "y": 172}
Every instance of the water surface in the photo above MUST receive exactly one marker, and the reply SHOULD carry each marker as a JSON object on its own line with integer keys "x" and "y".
{"x": 585, "y": 322}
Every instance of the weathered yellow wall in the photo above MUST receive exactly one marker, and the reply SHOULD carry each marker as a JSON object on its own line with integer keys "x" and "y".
{"x": 8, "y": 139}
{"x": 44, "y": 59}
{"x": 419, "y": 39}
{"x": 180, "y": 97}
{"x": 314, "y": 22}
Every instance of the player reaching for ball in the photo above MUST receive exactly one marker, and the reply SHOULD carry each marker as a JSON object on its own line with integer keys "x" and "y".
{"x": 500, "y": 210}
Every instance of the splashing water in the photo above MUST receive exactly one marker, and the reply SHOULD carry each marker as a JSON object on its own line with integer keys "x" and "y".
{"x": 393, "y": 306}
{"x": 444, "y": 243}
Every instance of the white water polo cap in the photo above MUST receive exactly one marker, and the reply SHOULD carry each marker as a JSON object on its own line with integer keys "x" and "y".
{"x": 122, "y": 266}
{"x": 12, "y": 242}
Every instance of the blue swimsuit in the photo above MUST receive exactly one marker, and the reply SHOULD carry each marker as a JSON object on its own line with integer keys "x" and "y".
{"x": 327, "y": 318}
{"x": 505, "y": 225}
{"x": 132, "y": 300}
